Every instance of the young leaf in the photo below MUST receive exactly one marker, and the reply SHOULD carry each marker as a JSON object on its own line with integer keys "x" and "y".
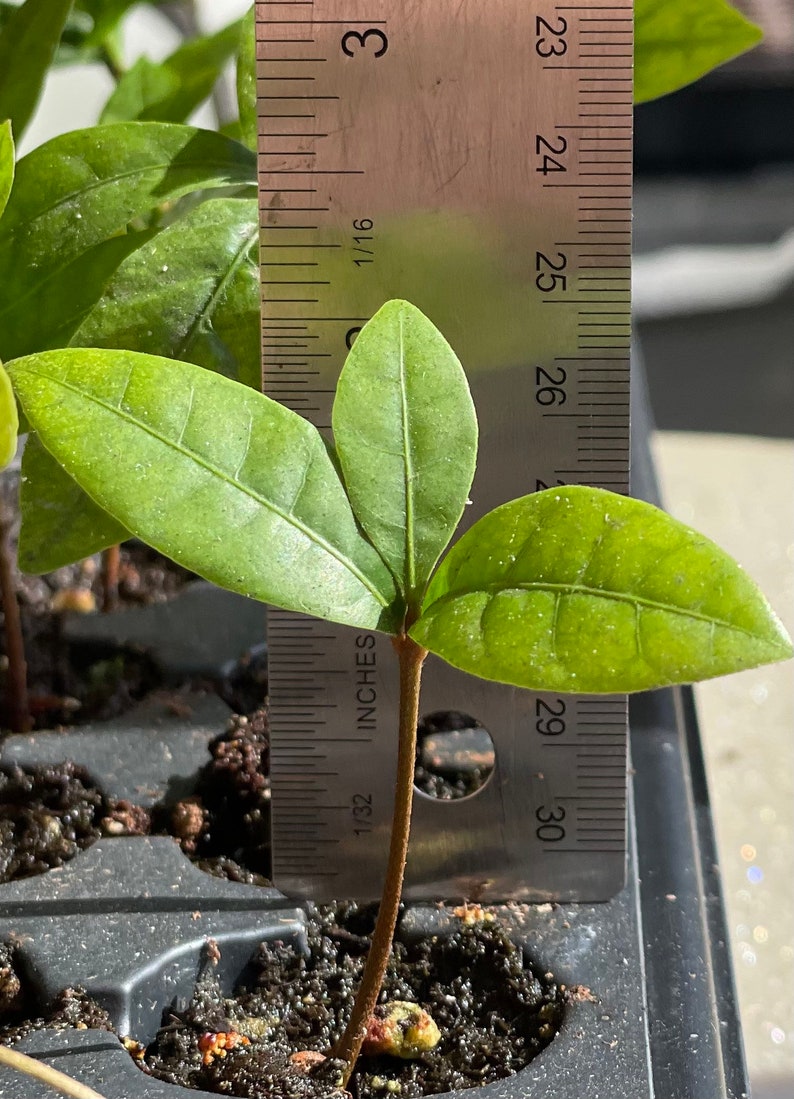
{"x": 84, "y": 187}
{"x": 60, "y": 524}
{"x": 6, "y": 163}
{"x": 577, "y": 589}
{"x": 28, "y": 43}
{"x": 191, "y": 293}
{"x": 678, "y": 41}
{"x": 246, "y": 81}
{"x": 406, "y": 436}
{"x": 9, "y": 422}
{"x": 229, "y": 483}
{"x": 170, "y": 90}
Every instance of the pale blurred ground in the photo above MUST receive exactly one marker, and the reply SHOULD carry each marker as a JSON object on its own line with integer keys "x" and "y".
{"x": 739, "y": 490}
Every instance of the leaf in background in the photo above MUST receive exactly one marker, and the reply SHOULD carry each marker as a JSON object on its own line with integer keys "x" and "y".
{"x": 406, "y": 435}
{"x": 246, "y": 80}
{"x": 577, "y": 589}
{"x": 190, "y": 293}
{"x": 678, "y": 41}
{"x": 60, "y": 524}
{"x": 105, "y": 15}
{"x": 85, "y": 187}
{"x": 6, "y": 163}
{"x": 28, "y": 43}
{"x": 49, "y": 316}
{"x": 229, "y": 483}
{"x": 9, "y": 422}
{"x": 170, "y": 90}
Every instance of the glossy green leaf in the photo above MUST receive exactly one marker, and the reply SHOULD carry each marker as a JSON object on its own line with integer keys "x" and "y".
{"x": 678, "y": 41}
{"x": 246, "y": 81}
{"x": 28, "y": 43}
{"x": 85, "y": 187}
{"x": 9, "y": 422}
{"x": 56, "y": 308}
{"x": 6, "y": 163}
{"x": 60, "y": 524}
{"x": 190, "y": 293}
{"x": 406, "y": 436}
{"x": 229, "y": 483}
{"x": 170, "y": 90}
{"x": 577, "y": 589}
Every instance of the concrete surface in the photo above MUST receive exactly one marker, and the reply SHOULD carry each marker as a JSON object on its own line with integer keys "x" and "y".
{"x": 739, "y": 491}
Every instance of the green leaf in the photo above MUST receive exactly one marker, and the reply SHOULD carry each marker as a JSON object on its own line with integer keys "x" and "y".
{"x": 85, "y": 187}
{"x": 191, "y": 293}
{"x": 28, "y": 43}
{"x": 60, "y": 524}
{"x": 406, "y": 436}
{"x": 246, "y": 80}
{"x": 106, "y": 16}
{"x": 170, "y": 90}
{"x": 6, "y": 163}
{"x": 577, "y": 589}
{"x": 678, "y": 41}
{"x": 9, "y": 421}
{"x": 229, "y": 483}
{"x": 57, "y": 307}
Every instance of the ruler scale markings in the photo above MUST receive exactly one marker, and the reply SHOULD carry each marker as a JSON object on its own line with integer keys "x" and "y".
{"x": 312, "y": 676}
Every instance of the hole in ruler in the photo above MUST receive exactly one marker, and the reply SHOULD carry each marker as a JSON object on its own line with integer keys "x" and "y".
{"x": 455, "y": 755}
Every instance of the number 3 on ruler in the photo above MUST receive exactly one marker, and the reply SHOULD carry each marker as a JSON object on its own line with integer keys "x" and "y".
{"x": 354, "y": 42}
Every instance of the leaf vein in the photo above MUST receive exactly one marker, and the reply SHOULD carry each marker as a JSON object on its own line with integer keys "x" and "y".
{"x": 311, "y": 535}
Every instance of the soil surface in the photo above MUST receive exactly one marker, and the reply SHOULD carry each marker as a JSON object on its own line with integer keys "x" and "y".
{"x": 494, "y": 1013}
{"x": 75, "y": 684}
{"x": 266, "y": 1040}
{"x": 50, "y": 812}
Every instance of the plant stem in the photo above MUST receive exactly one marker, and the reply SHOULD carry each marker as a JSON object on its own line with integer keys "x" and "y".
{"x": 17, "y": 706}
{"x": 411, "y": 657}
{"x": 110, "y": 577}
{"x": 58, "y": 1080}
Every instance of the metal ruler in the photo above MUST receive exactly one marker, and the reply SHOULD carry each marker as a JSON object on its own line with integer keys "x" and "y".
{"x": 475, "y": 159}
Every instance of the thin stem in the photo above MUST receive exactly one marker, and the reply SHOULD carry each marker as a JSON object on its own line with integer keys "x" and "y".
{"x": 58, "y": 1080}
{"x": 111, "y": 558}
{"x": 17, "y": 706}
{"x": 411, "y": 657}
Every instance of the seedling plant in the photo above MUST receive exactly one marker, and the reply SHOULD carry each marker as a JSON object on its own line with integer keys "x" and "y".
{"x": 573, "y": 589}
{"x": 143, "y": 236}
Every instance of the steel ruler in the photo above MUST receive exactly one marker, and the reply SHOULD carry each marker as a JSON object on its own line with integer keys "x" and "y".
{"x": 475, "y": 159}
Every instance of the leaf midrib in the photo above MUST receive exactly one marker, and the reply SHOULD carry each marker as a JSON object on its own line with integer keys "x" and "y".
{"x": 313, "y": 536}
{"x": 408, "y": 471}
{"x": 598, "y": 593}
{"x": 209, "y": 305}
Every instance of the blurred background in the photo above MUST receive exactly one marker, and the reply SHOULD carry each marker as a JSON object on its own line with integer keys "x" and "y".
{"x": 714, "y": 316}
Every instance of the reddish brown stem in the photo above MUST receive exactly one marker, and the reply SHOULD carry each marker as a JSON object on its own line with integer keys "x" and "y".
{"x": 111, "y": 558}
{"x": 411, "y": 657}
{"x": 17, "y": 706}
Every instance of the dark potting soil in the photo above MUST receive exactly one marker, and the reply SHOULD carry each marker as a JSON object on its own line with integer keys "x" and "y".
{"x": 74, "y": 684}
{"x": 50, "y": 812}
{"x": 47, "y": 814}
{"x": 494, "y": 1013}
